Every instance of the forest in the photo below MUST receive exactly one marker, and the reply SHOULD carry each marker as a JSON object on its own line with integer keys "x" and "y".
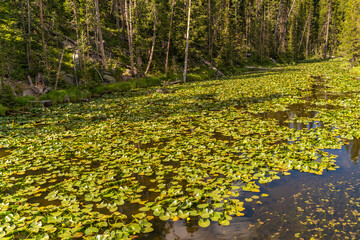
{"x": 61, "y": 44}
{"x": 179, "y": 119}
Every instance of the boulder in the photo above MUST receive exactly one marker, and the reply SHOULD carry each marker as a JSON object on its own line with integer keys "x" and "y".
{"x": 109, "y": 79}
{"x": 66, "y": 99}
{"x": 29, "y": 92}
{"x": 126, "y": 75}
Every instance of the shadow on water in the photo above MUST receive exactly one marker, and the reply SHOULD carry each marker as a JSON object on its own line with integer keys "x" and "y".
{"x": 291, "y": 198}
{"x": 299, "y": 205}
{"x": 4, "y": 152}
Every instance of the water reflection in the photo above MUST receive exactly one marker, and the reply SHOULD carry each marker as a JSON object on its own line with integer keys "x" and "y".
{"x": 315, "y": 206}
{"x": 353, "y": 149}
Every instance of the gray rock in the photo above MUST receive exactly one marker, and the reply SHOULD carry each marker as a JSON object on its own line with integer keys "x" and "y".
{"x": 69, "y": 79}
{"x": 163, "y": 90}
{"x": 29, "y": 92}
{"x": 109, "y": 79}
{"x": 125, "y": 78}
{"x": 66, "y": 99}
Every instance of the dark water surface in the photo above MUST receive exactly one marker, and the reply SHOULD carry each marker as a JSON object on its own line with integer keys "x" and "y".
{"x": 299, "y": 206}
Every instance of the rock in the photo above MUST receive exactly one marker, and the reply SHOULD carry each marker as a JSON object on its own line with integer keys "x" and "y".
{"x": 163, "y": 90}
{"x": 66, "y": 99}
{"x": 109, "y": 79}
{"x": 69, "y": 79}
{"x": 125, "y": 78}
{"x": 29, "y": 92}
{"x": 126, "y": 75}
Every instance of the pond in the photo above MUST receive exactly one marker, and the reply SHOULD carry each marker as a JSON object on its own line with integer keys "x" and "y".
{"x": 260, "y": 156}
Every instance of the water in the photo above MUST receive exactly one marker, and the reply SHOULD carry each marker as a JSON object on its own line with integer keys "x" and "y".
{"x": 300, "y": 205}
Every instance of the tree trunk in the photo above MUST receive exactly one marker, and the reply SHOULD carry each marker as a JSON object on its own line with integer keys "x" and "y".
{"x": 327, "y": 30}
{"x": 116, "y": 8}
{"x": 308, "y": 38}
{"x": 29, "y": 32}
{"x": 43, "y": 33}
{"x": 277, "y": 22}
{"x": 59, "y": 69}
{"x": 209, "y": 30}
{"x": 99, "y": 30}
{"x": 25, "y": 33}
{"x": 122, "y": 14}
{"x": 282, "y": 42}
{"x": 87, "y": 26}
{"x": 139, "y": 62}
{"x": 169, "y": 37}
{"x": 187, "y": 42}
{"x": 153, "y": 42}
{"x": 303, "y": 33}
{"x": 129, "y": 33}
{"x": 77, "y": 31}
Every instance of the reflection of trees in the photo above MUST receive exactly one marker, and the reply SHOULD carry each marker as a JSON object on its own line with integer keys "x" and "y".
{"x": 353, "y": 149}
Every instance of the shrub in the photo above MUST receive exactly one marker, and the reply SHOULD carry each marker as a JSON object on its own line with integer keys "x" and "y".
{"x": 24, "y": 101}
{"x": 2, "y": 110}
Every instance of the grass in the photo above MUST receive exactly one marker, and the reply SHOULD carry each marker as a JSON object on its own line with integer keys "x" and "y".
{"x": 58, "y": 96}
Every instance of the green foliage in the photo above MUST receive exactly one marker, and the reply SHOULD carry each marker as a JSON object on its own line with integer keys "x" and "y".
{"x": 7, "y": 97}
{"x": 3, "y": 110}
{"x": 23, "y": 102}
{"x": 74, "y": 94}
{"x": 351, "y": 32}
{"x": 171, "y": 156}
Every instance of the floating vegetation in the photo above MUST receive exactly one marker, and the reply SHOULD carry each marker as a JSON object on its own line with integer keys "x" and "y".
{"x": 108, "y": 169}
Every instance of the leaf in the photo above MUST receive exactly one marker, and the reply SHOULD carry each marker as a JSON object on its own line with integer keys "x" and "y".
{"x": 204, "y": 222}
{"x": 91, "y": 230}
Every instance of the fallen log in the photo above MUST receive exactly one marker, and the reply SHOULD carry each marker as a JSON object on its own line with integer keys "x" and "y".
{"x": 257, "y": 68}
{"x": 207, "y": 63}
{"x": 45, "y": 103}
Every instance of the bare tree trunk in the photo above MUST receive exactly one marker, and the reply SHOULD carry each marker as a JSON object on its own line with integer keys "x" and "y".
{"x": 25, "y": 33}
{"x": 153, "y": 42}
{"x": 187, "y": 42}
{"x": 29, "y": 33}
{"x": 43, "y": 33}
{"x": 129, "y": 33}
{"x": 139, "y": 61}
{"x": 282, "y": 42}
{"x": 87, "y": 26}
{"x": 116, "y": 8}
{"x": 122, "y": 14}
{"x": 59, "y": 69}
{"x": 209, "y": 30}
{"x": 308, "y": 40}
{"x": 99, "y": 30}
{"x": 327, "y": 30}
{"x": 277, "y": 22}
{"x": 77, "y": 31}
{"x": 169, "y": 37}
{"x": 306, "y": 26}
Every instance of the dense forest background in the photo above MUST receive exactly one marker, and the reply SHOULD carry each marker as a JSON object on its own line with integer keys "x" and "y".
{"x": 78, "y": 42}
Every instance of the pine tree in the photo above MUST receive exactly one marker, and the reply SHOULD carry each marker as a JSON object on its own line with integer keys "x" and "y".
{"x": 350, "y": 36}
